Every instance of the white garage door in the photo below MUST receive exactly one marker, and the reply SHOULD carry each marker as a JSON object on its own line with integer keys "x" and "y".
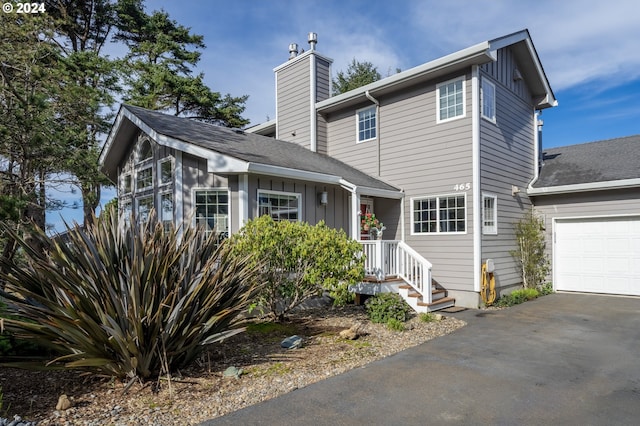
{"x": 600, "y": 255}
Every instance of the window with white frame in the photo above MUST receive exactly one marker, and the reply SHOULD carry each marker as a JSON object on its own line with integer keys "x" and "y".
{"x": 212, "y": 210}
{"x": 489, "y": 214}
{"x": 166, "y": 209}
{"x": 450, "y": 100}
{"x": 144, "y": 207}
{"x": 165, "y": 171}
{"x": 125, "y": 209}
{"x": 488, "y": 95}
{"x": 126, "y": 184}
{"x": 279, "y": 205}
{"x": 366, "y": 124}
{"x": 440, "y": 214}
{"x": 144, "y": 178}
{"x": 145, "y": 150}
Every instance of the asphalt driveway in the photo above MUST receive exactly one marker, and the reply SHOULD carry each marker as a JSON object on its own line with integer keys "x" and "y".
{"x": 564, "y": 359}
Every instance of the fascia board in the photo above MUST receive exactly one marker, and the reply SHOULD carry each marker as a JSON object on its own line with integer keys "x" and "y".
{"x": 377, "y": 192}
{"x": 480, "y": 52}
{"x": 584, "y": 187}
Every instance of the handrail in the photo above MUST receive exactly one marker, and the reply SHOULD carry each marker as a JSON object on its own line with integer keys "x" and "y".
{"x": 385, "y": 258}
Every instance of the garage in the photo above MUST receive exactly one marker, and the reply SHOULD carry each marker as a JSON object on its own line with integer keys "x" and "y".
{"x": 598, "y": 255}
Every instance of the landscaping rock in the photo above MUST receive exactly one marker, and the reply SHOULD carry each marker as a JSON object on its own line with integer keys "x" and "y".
{"x": 63, "y": 403}
{"x": 352, "y": 333}
{"x": 292, "y": 342}
{"x": 232, "y": 372}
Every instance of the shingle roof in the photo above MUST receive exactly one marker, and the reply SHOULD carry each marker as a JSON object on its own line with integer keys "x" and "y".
{"x": 602, "y": 161}
{"x": 253, "y": 148}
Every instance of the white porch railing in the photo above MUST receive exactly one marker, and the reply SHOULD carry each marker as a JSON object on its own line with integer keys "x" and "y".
{"x": 384, "y": 258}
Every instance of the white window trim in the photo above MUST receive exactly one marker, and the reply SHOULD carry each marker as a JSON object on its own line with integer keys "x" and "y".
{"x": 159, "y": 170}
{"x": 135, "y": 181}
{"x": 437, "y": 197}
{"x": 485, "y": 81}
{"x": 464, "y": 99}
{"x": 494, "y": 229}
{"x": 137, "y": 205}
{"x": 159, "y": 206}
{"x": 358, "y": 124}
{"x": 210, "y": 188}
{"x": 298, "y": 195}
{"x": 141, "y": 142}
{"x": 122, "y": 185}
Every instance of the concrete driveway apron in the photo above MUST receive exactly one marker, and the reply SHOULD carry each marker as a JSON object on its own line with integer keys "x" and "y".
{"x": 564, "y": 359}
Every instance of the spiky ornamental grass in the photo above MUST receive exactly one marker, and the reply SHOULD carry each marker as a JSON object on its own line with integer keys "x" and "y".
{"x": 127, "y": 301}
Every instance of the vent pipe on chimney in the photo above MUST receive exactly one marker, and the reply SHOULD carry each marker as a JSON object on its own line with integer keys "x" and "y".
{"x": 313, "y": 40}
{"x": 293, "y": 50}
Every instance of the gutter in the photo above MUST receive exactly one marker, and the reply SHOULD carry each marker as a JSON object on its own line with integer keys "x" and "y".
{"x": 584, "y": 187}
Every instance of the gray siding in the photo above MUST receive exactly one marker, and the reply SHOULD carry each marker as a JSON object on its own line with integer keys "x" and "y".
{"x": 293, "y": 102}
{"x": 507, "y": 159}
{"x": 423, "y": 157}
{"x": 619, "y": 202}
{"x": 335, "y": 213}
{"x": 503, "y": 70}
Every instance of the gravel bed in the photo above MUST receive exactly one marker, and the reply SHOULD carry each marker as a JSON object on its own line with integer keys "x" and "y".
{"x": 203, "y": 392}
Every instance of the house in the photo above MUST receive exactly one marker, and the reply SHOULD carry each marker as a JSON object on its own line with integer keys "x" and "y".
{"x": 443, "y": 154}
{"x": 589, "y": 197}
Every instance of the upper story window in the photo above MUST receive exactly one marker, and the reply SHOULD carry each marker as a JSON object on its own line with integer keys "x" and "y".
{"x": 366, "y": 124}
{"x": 489, "y": 214}
{"x": 488, "y": 96}
{"x": 144, "y": 178}
{"x": 126, "y": 184}
{"x": 145, "y": 150}
{"x": 165, "y": 171}
{"x": 450, "y": 100}
{"x": 440, "y": 214}
{"x": 279, "y": 205}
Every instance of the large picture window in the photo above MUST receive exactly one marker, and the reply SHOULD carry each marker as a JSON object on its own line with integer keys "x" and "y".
{"x": 441, "y": 214}
{"x": 279, "y": 205}
{"x": 366, "y": 124}
{"x": 450, "y": 99}
{"x": 212, "y": 210}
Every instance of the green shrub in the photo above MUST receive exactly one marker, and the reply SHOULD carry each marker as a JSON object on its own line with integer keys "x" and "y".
{"x": 298, "y": 261}
{"x": 127, "y": 301}
{"x": 385, "y": 306}
{"x": 518, "y": 296}
{"x": 545, "y": 289}
{"x": 427, "y": 317}
{"x": 395, "y": 324}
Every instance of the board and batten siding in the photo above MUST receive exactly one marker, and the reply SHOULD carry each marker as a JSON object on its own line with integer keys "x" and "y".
{"x": 504, "y": 71}
{"x": 425, "y": 159}
{"x": 335, "y": 213}
{"x": 609, "y": 203}
{"x": 507, "y": 158}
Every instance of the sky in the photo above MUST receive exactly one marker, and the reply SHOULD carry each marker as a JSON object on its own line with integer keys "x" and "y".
{"x": 590, "y": 51}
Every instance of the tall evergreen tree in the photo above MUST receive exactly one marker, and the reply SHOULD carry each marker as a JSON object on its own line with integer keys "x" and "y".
{"x": 358, "y": 74}
{"x": 162, "y": 54}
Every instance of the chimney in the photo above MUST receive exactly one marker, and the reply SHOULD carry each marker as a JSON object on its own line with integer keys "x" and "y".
{"x": 313, "y": 40}
{"x": 293, "y": 50}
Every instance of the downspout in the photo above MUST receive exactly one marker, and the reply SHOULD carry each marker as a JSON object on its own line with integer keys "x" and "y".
{"x": 375, "y": 101}
{"x": 354, "y": 217}
{"x": 537, "y": 149}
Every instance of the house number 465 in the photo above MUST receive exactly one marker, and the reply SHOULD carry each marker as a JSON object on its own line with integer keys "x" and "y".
{"x": 462, "y": 186}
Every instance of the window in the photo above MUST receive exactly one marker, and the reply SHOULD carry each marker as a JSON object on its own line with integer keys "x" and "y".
{"x": 279, "y": 205}
{"x": 212, "y": 210}
{"x": 145, "y": 151}
{"x": 442, "y": 214}
{"x": 125, "y": 210}
{"x": 144, "y": 179}
{"x": 165, "y": 171}
{"x": 488, "y": 94}
{"x": 450, "y": 100}
{"x": 489, "y": 214}
{"x": 145, "y": 205}
{"x": 166, "y": 210}
{"x": 366, "y": 124}
{"x": 126, "y": 183}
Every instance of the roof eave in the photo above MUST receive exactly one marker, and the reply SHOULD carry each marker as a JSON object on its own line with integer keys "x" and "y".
{"x": 584, "y": 187}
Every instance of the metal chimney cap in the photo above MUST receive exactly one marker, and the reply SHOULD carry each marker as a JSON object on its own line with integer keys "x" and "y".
{"x": 293, "y": 50}
{"x": 313, "y": 39}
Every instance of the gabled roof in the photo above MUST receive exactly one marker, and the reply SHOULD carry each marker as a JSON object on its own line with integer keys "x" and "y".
{"x": 230, "y": 150}
{"x": 481, "y": 53}
{"x": 607, "y": 164}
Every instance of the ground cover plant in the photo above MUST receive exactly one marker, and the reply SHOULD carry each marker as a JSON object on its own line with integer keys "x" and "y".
{"x": 131, "y": 302}
{"x": 389, "y": 309}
